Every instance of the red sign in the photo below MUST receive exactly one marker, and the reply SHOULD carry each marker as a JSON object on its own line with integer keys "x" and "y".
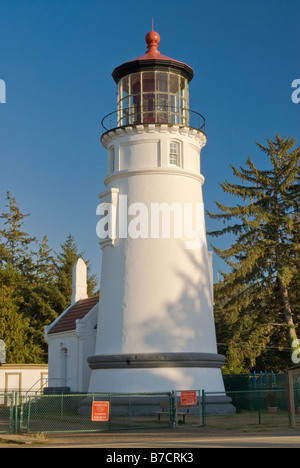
{"x": 188, "y": 398}
{"x": 100, "y": 411}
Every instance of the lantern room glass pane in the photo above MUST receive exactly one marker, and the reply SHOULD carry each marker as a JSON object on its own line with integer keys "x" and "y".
{"x": 125, "y": 86}
{"x": 135, "y": 83}
{"x": 162, "y": 82}
{"x": 174, "y": 83}
{"x": 162, "y": 107}
{"x": 148, "y": 82}
{"x": 149, "y": 108}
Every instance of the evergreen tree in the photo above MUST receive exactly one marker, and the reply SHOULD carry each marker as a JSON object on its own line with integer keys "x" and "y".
{"x": 16, "y": 269}
{"x": 42, "y": 301}
{"x": 15, "y": 248}
{"x": 35, "y": 286}
{"x": 259, "y": 297}
{"x": 15, "y": 328}
{"x": 65, "y": 262}
{"x": 45, "y": 263}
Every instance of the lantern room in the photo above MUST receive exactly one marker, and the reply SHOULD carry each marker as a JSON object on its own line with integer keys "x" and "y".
{"x": 153, "y": 88}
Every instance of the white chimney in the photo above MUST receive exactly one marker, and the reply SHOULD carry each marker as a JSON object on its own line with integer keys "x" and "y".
{"x": 79, "y": 286}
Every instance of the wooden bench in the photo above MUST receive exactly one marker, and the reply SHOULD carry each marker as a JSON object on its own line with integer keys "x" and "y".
{"x": 165, "y": 411}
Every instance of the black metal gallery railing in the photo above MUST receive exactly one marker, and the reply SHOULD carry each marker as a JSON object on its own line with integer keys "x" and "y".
{"x": 153, "y": 115}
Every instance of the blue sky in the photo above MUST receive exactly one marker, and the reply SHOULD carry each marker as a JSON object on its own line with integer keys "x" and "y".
{"x": 57, "y": 56}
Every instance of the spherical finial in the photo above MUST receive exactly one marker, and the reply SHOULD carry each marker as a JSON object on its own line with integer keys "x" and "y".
{"x": 152, "y": 39}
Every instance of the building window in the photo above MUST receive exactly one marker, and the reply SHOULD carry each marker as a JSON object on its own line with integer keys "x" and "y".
{"x": 174, "y": 154}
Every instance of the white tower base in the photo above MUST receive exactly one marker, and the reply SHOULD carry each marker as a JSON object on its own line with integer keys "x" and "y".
{"x": 156, "y": 372}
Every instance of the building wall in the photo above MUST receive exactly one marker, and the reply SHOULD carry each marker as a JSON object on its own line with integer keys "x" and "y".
{"x": 68, "y": 352}
{"x": 22, "y": 377}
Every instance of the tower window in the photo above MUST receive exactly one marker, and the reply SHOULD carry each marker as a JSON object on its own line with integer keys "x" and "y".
{"x": 174, "y": 154}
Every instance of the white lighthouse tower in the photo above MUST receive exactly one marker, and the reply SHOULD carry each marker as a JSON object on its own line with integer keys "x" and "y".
{"x": 156, "y": 328}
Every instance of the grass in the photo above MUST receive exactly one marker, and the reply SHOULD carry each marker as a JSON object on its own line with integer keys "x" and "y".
{"x": 249, "y": 421}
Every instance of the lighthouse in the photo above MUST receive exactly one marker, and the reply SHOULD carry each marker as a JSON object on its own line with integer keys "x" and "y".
{"x": 155, "y": 329}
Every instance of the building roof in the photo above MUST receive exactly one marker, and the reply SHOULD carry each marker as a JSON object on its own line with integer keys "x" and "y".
{"x": 152, "y": 59}
{"x": 78, "y": 311}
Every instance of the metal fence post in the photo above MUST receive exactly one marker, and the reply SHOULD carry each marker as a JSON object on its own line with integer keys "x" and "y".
{"x": 172, "y": 410}
{"x": 21, "y": 411}
{"x": 203, "y": 409}
{"x": 110, "y": 413}
{"x": 11, "y": 412}
{"x": 199, "y": 405}
{"x": 16, "y": 413}
{"x": 259, "y": 408}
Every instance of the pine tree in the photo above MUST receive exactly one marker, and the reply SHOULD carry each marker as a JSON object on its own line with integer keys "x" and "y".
{"x": 15, "y": 270}
{"x": 42, "y": 301}
{"x": 264, "y": 279}
{"x": 45, "y": 263}
{"x": 15, "y": 248}
{"x": 29, "y": 298}
{"x": 15, "y": 329}
{"x": 65, "y": 262}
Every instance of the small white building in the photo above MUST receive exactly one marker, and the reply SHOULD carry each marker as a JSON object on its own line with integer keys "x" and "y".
{"x": 72, "y": 336}
{"x": 23, "y": 378}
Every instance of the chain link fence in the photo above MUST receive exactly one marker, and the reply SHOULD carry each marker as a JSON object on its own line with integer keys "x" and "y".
{"x": 252, "y": 409}
{"x": 243, "y": 410}
{"x": 73, "y": 413}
